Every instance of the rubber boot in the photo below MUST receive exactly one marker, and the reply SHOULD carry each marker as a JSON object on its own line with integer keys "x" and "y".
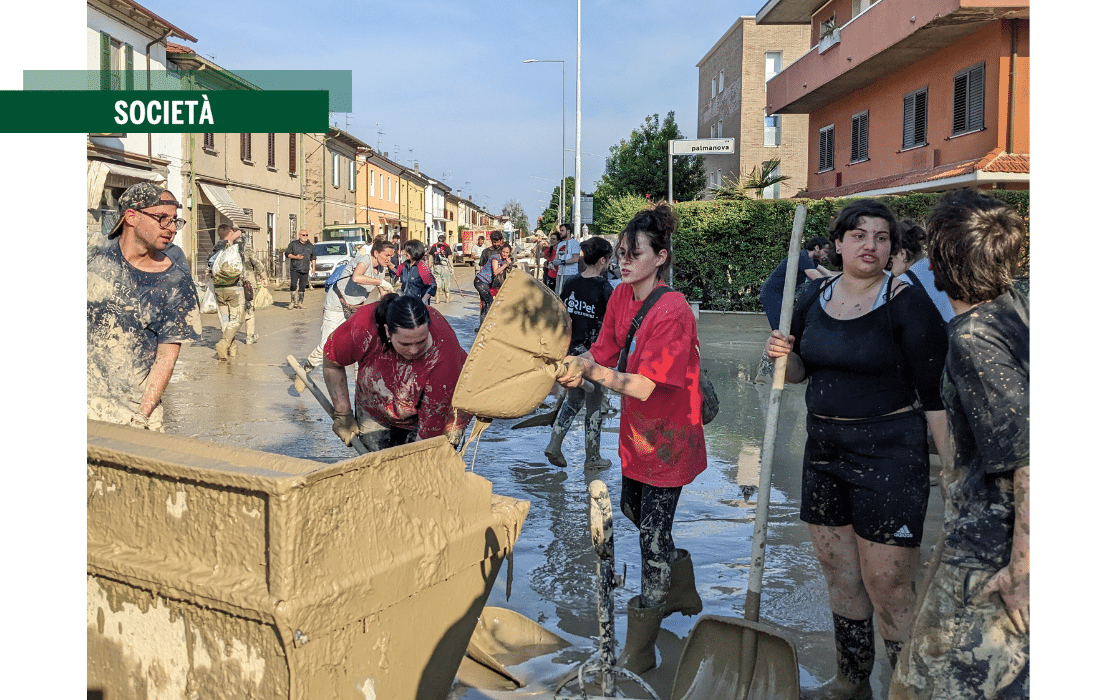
{"x": 222, "y": 349}
{"x": 553, "y": 450}
{"x": 592, "y": 458}
{"x": 642, "y": 626}
{"x": 855, "y": 659}
{"x": 233, "y": 348}
{"x": 682, "y": 595}
{"x": 300, "y": 385}
{"x": 301, "y": 300}
{"x": 293, "y": 300}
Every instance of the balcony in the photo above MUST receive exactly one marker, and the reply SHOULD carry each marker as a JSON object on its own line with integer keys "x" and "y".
{"x": 887, "y": 37}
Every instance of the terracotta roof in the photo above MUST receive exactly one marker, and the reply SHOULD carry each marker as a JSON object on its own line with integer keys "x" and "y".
{"x": 996, "y": 161}
{"x": 176, "y": 48}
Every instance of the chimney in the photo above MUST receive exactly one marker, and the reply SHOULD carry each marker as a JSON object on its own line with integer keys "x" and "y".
{"x": 416, "y": 167}
{"x": 386, "y": 154}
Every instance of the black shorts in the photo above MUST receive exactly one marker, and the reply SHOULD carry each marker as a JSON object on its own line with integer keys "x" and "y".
{"x": 870, "y": 473}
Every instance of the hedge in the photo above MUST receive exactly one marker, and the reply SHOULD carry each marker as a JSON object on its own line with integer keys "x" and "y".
{"x": 725, "y": 250}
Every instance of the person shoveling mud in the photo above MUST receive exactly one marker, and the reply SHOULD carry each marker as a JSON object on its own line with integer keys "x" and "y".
{"x": 661, "y": 426}
{"x": 409, "y": 361}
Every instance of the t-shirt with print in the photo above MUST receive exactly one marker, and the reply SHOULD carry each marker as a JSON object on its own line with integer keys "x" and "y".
{"x": 413, "y": 395}
{"x": 439, "y": 253}
{"x": 130, "y": 313}
{"x": 567, "y": 249}
{"x": 986, "y": 384}
{"x": 586, "y": 301}
{"x": 661, "y": 438}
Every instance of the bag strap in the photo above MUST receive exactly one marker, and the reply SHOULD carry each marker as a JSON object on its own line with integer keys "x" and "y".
{"x": 635, "y": 324}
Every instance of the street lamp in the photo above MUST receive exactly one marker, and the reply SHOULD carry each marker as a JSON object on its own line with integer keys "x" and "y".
{"x": 561, "y": 193}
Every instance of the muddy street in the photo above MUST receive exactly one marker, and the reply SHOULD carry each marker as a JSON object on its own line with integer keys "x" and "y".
{"x": 249, "y": 401}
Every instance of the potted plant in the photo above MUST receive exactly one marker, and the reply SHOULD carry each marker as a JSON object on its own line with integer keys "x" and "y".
{"x": 830, "y": 35}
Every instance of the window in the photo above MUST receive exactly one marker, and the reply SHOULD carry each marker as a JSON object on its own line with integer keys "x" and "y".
{"x": 859, "y": 137}
{"x": 721, "y": 80}
{"x": 208, "y": 141}
{"x": 389, "y": 189}
{"x": 370, "y": 177}
{"x": 293, "y": 227}
{"x": 825, "y": 149}
{"x": 861, "y": 6}
{"x": 969, "y": 103}
{"x": 714, "y": 131}
{"x": 335, "y": 169}
{"x": 772, "y": 130}
{"x": 270, "y": 227}
{"x": 719, "y": 128}
{"x": 914, "y": 120}
{"x": 116, "y": 64}
{"x": 246, "y": 148}
{"x": 713, "y": 87}
{"x": 351, "y": 175}
{"x": 292, "y": 155}
{"x": 773, "y": 63}
{"x": 772, "y": 191}
{"x": 271, "y": 150}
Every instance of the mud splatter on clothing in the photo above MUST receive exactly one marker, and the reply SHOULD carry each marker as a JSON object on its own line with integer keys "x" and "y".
{"x": 130, "y": 313}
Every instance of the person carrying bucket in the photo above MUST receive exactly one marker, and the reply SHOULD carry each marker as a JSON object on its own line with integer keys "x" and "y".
{"x": 661, "y": 444}
{"x": 873, "y": 350}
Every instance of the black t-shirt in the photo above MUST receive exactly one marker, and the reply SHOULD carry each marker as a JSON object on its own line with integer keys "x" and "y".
{"x": 439, "y": 252}
{"x": 986, "y": 385}
{"x": 586, "y": 300}
{"x": 299, "y": 248}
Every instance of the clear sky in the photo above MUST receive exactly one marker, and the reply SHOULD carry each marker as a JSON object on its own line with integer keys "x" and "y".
{"x": 446, "y": 84}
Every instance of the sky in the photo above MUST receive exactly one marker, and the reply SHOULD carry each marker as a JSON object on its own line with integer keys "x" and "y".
{"x": 446, "y": 85}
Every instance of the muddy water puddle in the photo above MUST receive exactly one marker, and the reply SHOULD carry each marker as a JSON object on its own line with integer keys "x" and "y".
{"x": 249, "y": 401}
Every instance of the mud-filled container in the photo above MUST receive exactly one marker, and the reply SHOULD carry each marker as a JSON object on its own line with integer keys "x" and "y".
{"x": 216, "y": 572}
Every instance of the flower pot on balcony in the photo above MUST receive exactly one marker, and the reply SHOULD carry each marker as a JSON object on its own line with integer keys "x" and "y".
{"x": 828, "y": 40}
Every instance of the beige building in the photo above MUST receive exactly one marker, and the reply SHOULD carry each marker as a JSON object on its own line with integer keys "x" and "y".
{"x": 732, "y": 102}
{"x": 450, "y": 210}
{"x": 414, "y": 226}
{"x": 331, "y": 179}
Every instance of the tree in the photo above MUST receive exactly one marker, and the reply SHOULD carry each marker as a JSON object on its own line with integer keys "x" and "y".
{"x": 550, "y": 214}
{"x": 514, "y": 211}
{"x": 760, "y": 179}
{"x": 639, "y": 165}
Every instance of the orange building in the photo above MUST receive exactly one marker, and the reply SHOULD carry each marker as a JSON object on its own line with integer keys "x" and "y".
{"x": 906, "y": 97}
{"x": 379, "y": 199}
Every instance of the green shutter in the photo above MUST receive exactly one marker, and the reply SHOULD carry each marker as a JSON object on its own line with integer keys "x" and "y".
{"x": 129, "y": 67}
{"x": 104, "y": 61}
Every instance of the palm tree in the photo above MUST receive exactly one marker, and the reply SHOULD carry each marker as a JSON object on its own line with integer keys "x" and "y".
{"x": 758, "y": 180}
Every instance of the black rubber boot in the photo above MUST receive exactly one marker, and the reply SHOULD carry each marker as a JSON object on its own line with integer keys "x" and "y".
{"x": 855, "y": 658}
{"x": 642, "y": 626}
{"x": 553, "y": 450}
{"x": 682, "y": 595}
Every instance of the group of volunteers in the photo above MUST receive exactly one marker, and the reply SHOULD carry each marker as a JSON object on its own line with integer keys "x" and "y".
{"x": 887, "y": 364}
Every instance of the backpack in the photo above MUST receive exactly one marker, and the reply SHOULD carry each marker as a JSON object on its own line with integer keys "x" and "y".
{"x": 227, "y": 266}
{"x": 437, "y": 255}
{"x": 334, "y": 277}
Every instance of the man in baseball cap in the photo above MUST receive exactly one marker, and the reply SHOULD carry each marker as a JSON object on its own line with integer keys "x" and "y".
{"x": 141, "y": 306}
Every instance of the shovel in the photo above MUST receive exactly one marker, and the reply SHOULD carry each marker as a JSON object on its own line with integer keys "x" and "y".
{"x": 321, "y": 398}
{"x": 743, "y": 659}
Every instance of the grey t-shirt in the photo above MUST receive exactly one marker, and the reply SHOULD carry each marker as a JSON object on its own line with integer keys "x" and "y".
{"x": 354, "y": 293}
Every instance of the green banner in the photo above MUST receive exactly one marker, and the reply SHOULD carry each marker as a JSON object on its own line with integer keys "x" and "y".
{"x": 164, "y": 111}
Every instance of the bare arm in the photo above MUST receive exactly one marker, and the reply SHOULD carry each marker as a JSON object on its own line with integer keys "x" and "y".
{"x": 336, "y": 380}
{"x": 581, "y": 367}
{"x": 359, "y": 276}
{"x": 159, "y": 375}
{"x": 1014, "y": 581}
{"x": 937, "y": 423}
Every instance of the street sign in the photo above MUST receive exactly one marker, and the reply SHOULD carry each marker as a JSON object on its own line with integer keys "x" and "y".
{"x": 586, "y": 209}
{"x": 688, "y": 147}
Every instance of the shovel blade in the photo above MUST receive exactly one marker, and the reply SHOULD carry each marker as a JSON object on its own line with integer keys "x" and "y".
{"x": 712, "y": 664}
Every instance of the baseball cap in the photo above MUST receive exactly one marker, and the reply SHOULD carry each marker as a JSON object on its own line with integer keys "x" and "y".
{"x": 139, "y": 196}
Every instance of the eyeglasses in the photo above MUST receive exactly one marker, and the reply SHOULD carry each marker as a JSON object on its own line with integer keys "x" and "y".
{"x": 163, "y": 219}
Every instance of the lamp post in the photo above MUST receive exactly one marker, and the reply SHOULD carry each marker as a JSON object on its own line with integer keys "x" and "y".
{"x": 561, "y": 193}
{"x": 577, "y": 171}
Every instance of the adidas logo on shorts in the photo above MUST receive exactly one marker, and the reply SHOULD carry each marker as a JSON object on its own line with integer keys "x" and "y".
{"x": 903, "y": 532}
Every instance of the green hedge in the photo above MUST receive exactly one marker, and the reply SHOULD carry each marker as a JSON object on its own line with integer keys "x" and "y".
{"x": 726, "y": 250}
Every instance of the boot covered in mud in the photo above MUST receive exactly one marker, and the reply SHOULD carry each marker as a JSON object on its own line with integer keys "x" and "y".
{"x": 553, "y": 450}
{"x": 301, "y": 300}
{"x": 592, "y": 458}
{"x": 222, "y": 348}
{"x": 682, "y": 594}
{"x": 642, "y": 626}
{"x": 855, "y": 659}
{"x": 293, "y": 300}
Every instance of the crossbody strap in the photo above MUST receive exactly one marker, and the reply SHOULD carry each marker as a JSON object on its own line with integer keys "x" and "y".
{"x": 637, "y": 322}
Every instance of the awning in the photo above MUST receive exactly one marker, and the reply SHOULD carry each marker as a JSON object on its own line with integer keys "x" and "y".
{"x": 223, "y": 201}
{"x": 119, "y": 175}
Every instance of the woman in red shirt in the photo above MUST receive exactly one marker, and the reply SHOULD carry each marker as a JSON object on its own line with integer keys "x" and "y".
{"x": 550, "y": 276}
{"x": 661, "y": 425}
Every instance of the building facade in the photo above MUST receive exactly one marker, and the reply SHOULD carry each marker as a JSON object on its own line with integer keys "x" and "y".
{"x": 732, "y": 96}
{"x": 379, "y": 197}
{"x": 906, "y": 97}
{"x": 414, "y": 226}
{"x": 331, "y": 171}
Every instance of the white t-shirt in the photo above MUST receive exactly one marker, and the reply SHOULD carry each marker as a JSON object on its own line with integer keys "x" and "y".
{"x": 567, "y": 249}
{"x": 354, "y": 293}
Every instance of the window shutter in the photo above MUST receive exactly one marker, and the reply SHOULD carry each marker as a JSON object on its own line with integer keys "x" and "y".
{"x": 920, "y": 118}
{"x": 208, "y": 141}
{"x": 825, "y": 149}
{"x": 129, "y": 67}
{"x": 958, "y": 115}
{"x": 908, "y": 120}
{"x": 104, "y": 61}
{"x": 976, "y": 99}
{"x": 271, "y": 150}
{"x": 293, "y": 154}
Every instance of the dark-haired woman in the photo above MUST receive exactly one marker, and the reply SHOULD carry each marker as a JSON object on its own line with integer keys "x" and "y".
{"x": 494, "y": 267}
{"x": 907, "y": 264}
{"x": 415, "y": 275}
{"x": 409, "y": 361}
{"x": 661, "y": 424}
{"x": 873, "y": 349}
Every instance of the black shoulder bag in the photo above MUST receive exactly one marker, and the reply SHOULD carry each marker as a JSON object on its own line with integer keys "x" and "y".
{"x": 710, "y": 396}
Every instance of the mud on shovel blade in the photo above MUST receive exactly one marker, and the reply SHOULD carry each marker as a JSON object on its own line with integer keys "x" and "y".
{"x": 321, "y": 398}
{"x": 743, "y": 659}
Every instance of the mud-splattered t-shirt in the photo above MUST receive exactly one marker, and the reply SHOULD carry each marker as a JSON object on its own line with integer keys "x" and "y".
{"x": 661, "y": 438}
{"x": 986, "y": 383}
{"x": 414, "y": 395}
{"x": 130, "y": 313}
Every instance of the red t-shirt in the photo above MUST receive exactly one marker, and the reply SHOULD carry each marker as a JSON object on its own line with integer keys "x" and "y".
{"x": 661, "y": 438}
{"x": 412, "y": 395}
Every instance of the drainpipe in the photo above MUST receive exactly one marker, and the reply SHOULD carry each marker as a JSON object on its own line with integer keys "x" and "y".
{"x": 149, "y": 86}
{"x": 1010, "y": 136}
